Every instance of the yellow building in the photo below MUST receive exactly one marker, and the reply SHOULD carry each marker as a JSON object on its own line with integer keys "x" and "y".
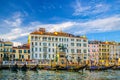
{"x": 21, "y": 53}
{"x": 104, "y": 52}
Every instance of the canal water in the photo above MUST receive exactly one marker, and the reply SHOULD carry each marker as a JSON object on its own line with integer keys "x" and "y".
{"x": 59, "y": 75}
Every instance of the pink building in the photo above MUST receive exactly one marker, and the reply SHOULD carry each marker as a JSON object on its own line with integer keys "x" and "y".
{"x": 93, "y": 50}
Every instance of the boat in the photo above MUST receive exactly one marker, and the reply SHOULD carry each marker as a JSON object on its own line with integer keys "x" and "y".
{"x": 14, "y": 67}
{"x": 47, "y": 68}
{"x": 99, "y": 68}
{"x": 24, "y": 68}
{"x": 78, "y": 68}
{"x": 116, "y": 67}
{"x": 92, "y": 68}
{"x": 69, "y": 68}
{"x": 34, "y": 68}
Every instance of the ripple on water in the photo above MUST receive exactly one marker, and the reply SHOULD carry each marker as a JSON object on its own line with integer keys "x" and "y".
{"x": 59, "y": 75}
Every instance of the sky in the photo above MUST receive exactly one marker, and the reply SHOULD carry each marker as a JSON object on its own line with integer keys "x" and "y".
{"x": 97, "y": 19}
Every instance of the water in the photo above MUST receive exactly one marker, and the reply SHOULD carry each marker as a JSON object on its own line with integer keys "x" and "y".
{"x": 59, "y": 75}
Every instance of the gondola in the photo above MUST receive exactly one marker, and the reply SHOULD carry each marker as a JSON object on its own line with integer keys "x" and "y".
{"x": 69, "y": 68}
{"x": 47, "y": 68}
{"x": 92, "y": 68}
{"x": 24, "y": 68}
{"x": 116, "y": 68}
{"x": 14, "y": 67}
{"x": 34, "y": 68}
{"x": 99, "y": 68}
{"x": 76, "y": 69}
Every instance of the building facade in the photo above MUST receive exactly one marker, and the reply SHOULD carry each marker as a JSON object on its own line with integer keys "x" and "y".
{"x": 93, "y": 51}
{"x": 7, "y": 50}
{"x": 44, "y": 45}
{"x": 1, "y": 50}
{"x": 21, "y": 53}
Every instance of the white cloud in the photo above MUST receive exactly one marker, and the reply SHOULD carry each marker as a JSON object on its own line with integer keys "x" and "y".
{"x": 93, "y": 26}
{"x": 14, "y": 21}
{"x": 79, "y": 8}
{"x": 99, "y": 8}
{"x": 15, "y": 44}
{"x": 90, "y": 9}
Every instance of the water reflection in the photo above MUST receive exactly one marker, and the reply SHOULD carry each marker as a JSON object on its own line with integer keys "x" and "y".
{"x": 59, "y": 75}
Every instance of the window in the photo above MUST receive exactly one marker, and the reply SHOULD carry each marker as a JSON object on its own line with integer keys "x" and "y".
{"x": 64, "y": 39}
{"x": 60, "y": 39}
{"x": 14, "y": 51}
{"x": 67, "y": 40}
{"x": 45, "y": 49}
{"x": 49, "y": 55}
{"x": 0, "y": 45}
{"x": 36, "y": 55}
{"x": 53, "y": 44}
{"x": 85, "y": 51}
{"x": 35, "y": 43}
{"x": 45, "y": 56}
{"x": 84, "y": 57}
{"x": 32, "y": 49}
{"x": 25, "y": 51}
{"x": 53, "y": 55}
{"x": 84, "y": 45}
{"x": 44, "y": 38}
{"x": 84, "y": 40}
{"x": 72, "y": 39}
{"x": 39, "y": 55}
{"x": 32, "y": 37}
{"x": 72, "y": 50}
{"x": 40, "y": 49}
{"x": 1, "y": 55}
{"x": 78, "y": 50}
{"x": 78, "y": 40}
{"x": 56, "y": 44}
{"x": 20, "y": 51}
{"x": 52, "y": 38}
{"x": 40, "y": 43}
{"x": 35, "y": 49}
{"x": 22, "y": 56}
{"x": 49, "y": 49}
{"x": 56, "y": 39}
{"x": 32, "y": 44}
{"x": 28, "y": 51}
{"x": 36, "y": 37}
{"x": 53, "y": 50}
{"x": 78, "y": 44}
{"x": 49, "y": 39}
{"x": 44, "y": 44}
{"x": 49, "y": 44}
{"x": 72, "y": 44}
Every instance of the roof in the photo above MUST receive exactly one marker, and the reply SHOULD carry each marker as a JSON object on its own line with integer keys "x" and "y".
{"x": 57, "y": 34}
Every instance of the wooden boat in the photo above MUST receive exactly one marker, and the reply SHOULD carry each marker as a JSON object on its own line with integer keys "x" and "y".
{"x": 34, "y": 68}
{"x": 99, "y": 68}
{"x": 79, "y": 68}
{"x": 69, "y": 68}
{"x": 116, "y": 67}
{"x": 47, "y": 68}
{"x": 14, "y": 68}
{"x": 92, "y": 68}
{"x": 24, "y": 67}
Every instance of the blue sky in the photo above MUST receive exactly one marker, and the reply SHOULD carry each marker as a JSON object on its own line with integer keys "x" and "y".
{"x": 98, "y": 19}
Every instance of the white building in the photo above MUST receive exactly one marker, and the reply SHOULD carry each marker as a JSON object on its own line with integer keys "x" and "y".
{"x": 44, "y": 45}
